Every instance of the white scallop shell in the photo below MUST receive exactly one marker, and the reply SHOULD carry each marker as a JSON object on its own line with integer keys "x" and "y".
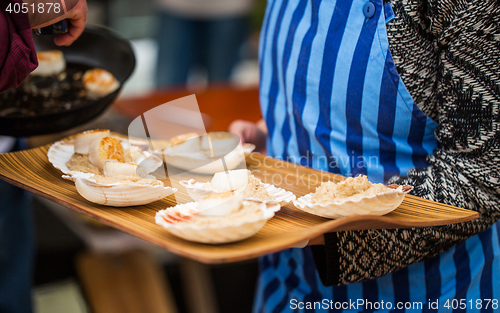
{"x": 198, "y": 191}
{"x": 62, "y": 151}
{"x": 117, "y": 194}
{"x": 211, "y": 234}
{"x": 188, "y": 156}
{"x": 378, "y": 204}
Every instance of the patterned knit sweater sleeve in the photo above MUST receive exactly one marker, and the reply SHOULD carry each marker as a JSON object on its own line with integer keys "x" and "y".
{"x": 448, "y": 55}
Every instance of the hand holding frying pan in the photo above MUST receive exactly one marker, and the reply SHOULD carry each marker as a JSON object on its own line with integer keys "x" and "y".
{"x": 43, "y": 14}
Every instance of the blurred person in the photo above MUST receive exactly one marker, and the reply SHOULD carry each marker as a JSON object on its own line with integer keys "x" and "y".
{"x": 200, "y": 33}
{"x": 17, "y": 60}
{"x": 403, "y": 91}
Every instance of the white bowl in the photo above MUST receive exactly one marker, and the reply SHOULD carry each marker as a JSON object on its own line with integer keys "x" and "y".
{"x": 230, "y": 231}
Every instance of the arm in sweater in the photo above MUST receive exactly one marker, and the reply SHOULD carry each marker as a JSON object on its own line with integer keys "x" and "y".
{"x": 17, "y": 50}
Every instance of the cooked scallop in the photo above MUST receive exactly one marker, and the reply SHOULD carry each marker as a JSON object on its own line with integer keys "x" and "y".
{"x": 83, "y": 140}
{"x": 106, "y": 148}
{"x": 113, "y": 168}
{"x": 99, "y": 83}
{"x": 231, "y": 180}
{"x": 220, "y": 204}
{"x": 50, "y": 63}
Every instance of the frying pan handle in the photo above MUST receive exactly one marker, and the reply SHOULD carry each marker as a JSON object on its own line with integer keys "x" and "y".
{"x": 60, "y": 27}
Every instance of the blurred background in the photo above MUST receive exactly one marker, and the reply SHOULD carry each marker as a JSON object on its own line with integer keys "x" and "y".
{"x": 206, "y": 47}
{"x": 192, "y": 42}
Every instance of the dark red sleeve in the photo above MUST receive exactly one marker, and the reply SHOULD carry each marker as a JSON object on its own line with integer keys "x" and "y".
{"x": 17, "y": 50}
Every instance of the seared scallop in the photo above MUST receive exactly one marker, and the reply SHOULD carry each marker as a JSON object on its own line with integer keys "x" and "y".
{"x": 50, "y": 63}
{"x": 99, "y": 83}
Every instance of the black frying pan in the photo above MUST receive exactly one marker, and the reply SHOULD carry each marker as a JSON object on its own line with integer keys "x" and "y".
{"x": 96, "y": 47}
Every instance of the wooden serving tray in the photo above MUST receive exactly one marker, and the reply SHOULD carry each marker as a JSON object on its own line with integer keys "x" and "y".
{"x": 31, "y": 170}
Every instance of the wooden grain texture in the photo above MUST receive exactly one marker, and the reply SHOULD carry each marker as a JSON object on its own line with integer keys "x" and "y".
{"x": 31, "y": 170}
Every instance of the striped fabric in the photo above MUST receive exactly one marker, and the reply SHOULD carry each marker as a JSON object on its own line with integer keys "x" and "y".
{"x": 333, "y": 100}
{"x": 307, "y": 71}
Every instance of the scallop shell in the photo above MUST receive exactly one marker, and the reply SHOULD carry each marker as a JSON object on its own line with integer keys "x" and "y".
{"x": 117, "y": 194}
{"x": 62, "y": 151}
{"x": 198, "y": 191}
{"x": 378, "y": 204}
{"x": 211, "y": 234}
{"x": 188, "y": 155}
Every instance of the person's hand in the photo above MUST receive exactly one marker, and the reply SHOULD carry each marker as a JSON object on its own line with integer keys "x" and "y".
{"x": 320, "y": 240}
{"x": 76, "y": 16}
{"x": 78, "y": 19}
{"x": 249, "y": 132}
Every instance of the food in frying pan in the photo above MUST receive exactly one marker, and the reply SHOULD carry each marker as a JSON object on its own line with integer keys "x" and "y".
{"x": 56, "y": 86}
{"x": 99, "y": 83}
{"x": 50, "y": 63}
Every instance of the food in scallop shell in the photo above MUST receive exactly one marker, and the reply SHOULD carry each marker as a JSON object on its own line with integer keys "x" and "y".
{"x": 84, "y": 139}
{"x": 106, "y": 148}
{"x": 62, "y": 154}
{"x": 120, "y": 190}
{"x": 351, "y": 197}
{"x": 104, "y": 176}
{"x": 98, "y": 82}
{"x": 207, "y": 154}
{"x": 231, "y": 180}
{"x": 50, "y": 63}
{"x": 239, "y": 181}
{"x": 220, "y": 204}
{"x": 114, "y": 168}
{"x": 187, "y": 222}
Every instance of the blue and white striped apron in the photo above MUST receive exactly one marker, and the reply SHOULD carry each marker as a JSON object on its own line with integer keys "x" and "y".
{"x": 333, "y": 100}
